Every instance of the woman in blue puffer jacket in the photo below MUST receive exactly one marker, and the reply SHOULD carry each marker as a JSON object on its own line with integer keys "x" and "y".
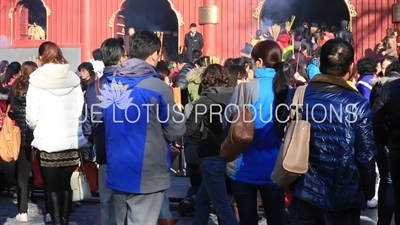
{"x": 251, "y": 172}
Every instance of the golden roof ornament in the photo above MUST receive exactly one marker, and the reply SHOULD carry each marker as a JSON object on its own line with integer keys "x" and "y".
{"x": 257, "y": 11}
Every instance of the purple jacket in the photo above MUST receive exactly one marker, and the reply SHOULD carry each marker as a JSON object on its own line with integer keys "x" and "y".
{"x": 364, "y": 85}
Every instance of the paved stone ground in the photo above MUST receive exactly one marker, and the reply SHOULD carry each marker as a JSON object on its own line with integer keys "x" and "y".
{"x": 89, "y": 214}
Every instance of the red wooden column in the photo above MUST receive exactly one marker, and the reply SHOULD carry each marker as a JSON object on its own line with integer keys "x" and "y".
{"x": 209, "y": 33}
{"x": 86, "y": 39}
{"x": 397, "y": 25}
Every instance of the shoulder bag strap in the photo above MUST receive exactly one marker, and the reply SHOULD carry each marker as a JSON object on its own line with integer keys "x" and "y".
{"x": 239, "y": 94}
{"x": 5, "y": 114}
{"x": 81, "y": 166}
{"x": 245, "y": 100}
{"x": 298, "y": 101}
{"x": 97, "y": 86}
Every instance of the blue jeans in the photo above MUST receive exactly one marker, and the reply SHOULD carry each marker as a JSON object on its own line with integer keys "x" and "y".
{"x": 213, "y": 188}
{"x": 273, "y": 198}
{"x": 165, "y": 212}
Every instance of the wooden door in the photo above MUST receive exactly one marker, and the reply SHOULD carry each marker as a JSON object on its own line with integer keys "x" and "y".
{"x": 119, "y": 25}
{"x": 24, "y": 23}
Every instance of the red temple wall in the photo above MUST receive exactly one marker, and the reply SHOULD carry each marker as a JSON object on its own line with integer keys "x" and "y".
{"x": 234, "y": 30}
{"x": 237, "y": 24}
{"x": 189, "y": 11}
{"x": 5, "y": 26}
{"x": 64, "y": 22}
{"x": 101, "y": 12}
{"x": 369, "y": 27}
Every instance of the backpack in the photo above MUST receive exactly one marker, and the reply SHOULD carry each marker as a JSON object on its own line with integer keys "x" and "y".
{"x": 10, "y": 139}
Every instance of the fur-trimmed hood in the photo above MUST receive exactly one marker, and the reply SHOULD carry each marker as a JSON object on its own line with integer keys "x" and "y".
{"x": 383, "y": 80}
{"x": 55, "y": 78}
{"x": 195, "y": 75}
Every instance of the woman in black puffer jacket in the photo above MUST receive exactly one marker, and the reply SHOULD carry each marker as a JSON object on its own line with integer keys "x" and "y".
{"x": 386, "y": 202}
{"x": 17, "y": 99}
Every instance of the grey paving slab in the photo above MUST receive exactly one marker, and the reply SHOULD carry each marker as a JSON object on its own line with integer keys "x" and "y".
{"x": 89, "y": 214}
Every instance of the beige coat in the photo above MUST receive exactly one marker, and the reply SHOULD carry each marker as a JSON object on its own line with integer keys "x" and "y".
{"x": 391, "y": 48}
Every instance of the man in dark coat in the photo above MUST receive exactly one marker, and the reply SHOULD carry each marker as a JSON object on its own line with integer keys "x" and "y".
{"x": 342, "y": 152}
{"x": 113, "y": 52}
{"x": 127, "y": 37}
{"x": 193, "y": 41}
{"x": 344, "y": 33}
{"x": 184, "y": 67}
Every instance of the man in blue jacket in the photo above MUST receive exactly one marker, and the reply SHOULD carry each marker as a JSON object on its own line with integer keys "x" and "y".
{"x": 140, "y": 119}
{"x": 341, "y": 175}
{"x": 113, "y": 52}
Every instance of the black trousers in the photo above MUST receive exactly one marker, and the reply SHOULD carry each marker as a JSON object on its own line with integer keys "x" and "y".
{"x": 57, "y": 179}
{"x": 23, "y": 168}
{"x": 386, "y": 202}
{"x": 304, "y": 213}
{"x": 195, "y": 179}
{"x": 394, "y": 159}
{"x": 273, "y": 199}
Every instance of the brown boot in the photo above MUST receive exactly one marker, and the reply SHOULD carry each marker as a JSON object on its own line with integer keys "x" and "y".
{"x": 170, "y": 221}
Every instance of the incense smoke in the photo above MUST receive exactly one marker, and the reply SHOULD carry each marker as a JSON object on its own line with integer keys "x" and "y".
{"x": 4, "y": 42}
{"x": 319, "y": 11}
{"x": 150, "y": 15}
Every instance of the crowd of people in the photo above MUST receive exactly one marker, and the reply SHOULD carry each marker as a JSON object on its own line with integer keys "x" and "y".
{"x": 121, "y": 104}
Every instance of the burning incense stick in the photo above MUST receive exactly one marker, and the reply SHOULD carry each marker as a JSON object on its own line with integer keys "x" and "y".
{"x": 291, "y": 22}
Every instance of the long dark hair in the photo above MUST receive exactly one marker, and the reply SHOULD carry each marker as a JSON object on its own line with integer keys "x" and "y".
{"x": 13, "y": 69}
{"x": 235, "y": 73}
{"x": 268, "y": 51}
{"x": 20, "y": 86}
{"x": 283, "y": 79}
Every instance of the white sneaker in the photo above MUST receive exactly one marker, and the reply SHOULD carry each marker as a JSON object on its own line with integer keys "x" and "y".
{"x": 372, "y": 203}
{"x": 22, "y": 217}
{"x": 47, "y": 218}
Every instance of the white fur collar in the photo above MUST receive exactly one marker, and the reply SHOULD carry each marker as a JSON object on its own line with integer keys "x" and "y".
{"x": 54, "y": 76}
{"x": 382, "y": 80}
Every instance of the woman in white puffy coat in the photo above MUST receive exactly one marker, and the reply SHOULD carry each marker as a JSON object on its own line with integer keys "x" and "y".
{"x": 54, "y": 104}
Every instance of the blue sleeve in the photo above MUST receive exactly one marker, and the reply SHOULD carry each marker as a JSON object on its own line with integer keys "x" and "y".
{"x": 361, "y": 89}
{"x": 313, "y": 70}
